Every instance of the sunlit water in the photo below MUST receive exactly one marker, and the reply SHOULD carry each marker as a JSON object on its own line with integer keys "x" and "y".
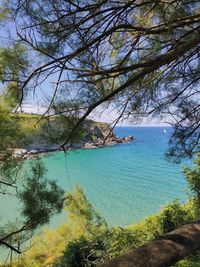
{"x": 125, "y": 182}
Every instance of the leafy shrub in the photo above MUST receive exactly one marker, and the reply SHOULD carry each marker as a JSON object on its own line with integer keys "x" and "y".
{"x": 175, "y": 215}
{"x": 85, "y": 252}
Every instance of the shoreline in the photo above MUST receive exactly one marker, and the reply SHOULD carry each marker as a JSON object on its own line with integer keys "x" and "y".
{"x": 28, "y": 153}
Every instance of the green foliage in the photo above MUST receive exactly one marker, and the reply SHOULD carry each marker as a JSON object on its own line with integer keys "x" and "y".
{"x": 91, "y": 251}
{"x": 10, "y": 136}
{"x": 10, "y": 132}
{"x": 46, "y": 248}
{"x": 41, "y": 197}
{"x": 83, "y": 223}
{"x": 193, "y": 178}
{"x": 175, "y": 214}
{"x": 84, "y": 252}
{"x": 94, "y": 137}
{"x": 13, "y": 61}
{"x": 82, "y": 214}
{"x": 193, "y": 261}
{"x": 87, "y": 241}
{"x": 55, "y": 130}
{"x": 122, "y": 239}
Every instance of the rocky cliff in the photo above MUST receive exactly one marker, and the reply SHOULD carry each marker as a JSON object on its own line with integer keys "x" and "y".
{"x": 93, "y": 135}
{"x": 100, "y": 134}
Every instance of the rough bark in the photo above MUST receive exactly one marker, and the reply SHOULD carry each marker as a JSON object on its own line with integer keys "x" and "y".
{"x": 164, "y": 252}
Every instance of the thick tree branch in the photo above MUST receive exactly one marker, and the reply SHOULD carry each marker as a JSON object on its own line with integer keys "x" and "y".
{"x": 164, "y": 252}
{"x": 156, "y": 63}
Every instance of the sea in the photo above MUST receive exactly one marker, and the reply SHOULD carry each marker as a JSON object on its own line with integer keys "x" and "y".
{"x": 125, "y": 182}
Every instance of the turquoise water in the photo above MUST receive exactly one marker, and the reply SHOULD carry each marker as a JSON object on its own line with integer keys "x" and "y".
{"x": 126, "y": 182}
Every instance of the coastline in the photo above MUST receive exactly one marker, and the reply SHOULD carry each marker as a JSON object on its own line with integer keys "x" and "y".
{"x": 119, "y": 173}
{"x": 44, "y": 150}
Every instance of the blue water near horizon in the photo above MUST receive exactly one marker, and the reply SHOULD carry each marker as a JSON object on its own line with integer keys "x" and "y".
{"x": 125, "y": 182}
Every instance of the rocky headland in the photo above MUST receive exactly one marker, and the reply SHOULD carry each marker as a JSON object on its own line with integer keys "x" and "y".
{"x": 96, "y": 135}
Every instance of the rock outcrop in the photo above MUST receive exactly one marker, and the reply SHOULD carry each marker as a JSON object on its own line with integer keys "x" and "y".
{"x": 95, "y": 135}
{"x": 110, "y": 141}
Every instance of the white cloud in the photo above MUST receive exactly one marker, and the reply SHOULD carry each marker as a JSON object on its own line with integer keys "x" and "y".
{"x": 28, "y": 108}
{"x": 107, "y": 115}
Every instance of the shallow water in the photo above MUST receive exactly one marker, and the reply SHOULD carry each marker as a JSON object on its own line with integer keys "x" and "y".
{"x": 126, "y": 182}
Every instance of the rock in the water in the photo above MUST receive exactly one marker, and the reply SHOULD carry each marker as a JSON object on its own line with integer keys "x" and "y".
{"x": 128, "y": 138}
{"x": 89, "y": 145}
{"x": 33, "y": 151}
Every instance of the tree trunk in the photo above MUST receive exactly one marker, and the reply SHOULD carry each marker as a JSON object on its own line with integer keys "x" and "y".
{"x": 165, "y": 251}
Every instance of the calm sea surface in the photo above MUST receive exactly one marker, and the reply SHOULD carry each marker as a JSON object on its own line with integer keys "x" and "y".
{"x": 125, "y": 183}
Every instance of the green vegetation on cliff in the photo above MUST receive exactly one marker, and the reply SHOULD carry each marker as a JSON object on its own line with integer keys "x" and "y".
{"x": 41, "y": 131}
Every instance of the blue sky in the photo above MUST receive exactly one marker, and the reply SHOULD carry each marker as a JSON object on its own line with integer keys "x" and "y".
{"x": 36, "y": 102}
